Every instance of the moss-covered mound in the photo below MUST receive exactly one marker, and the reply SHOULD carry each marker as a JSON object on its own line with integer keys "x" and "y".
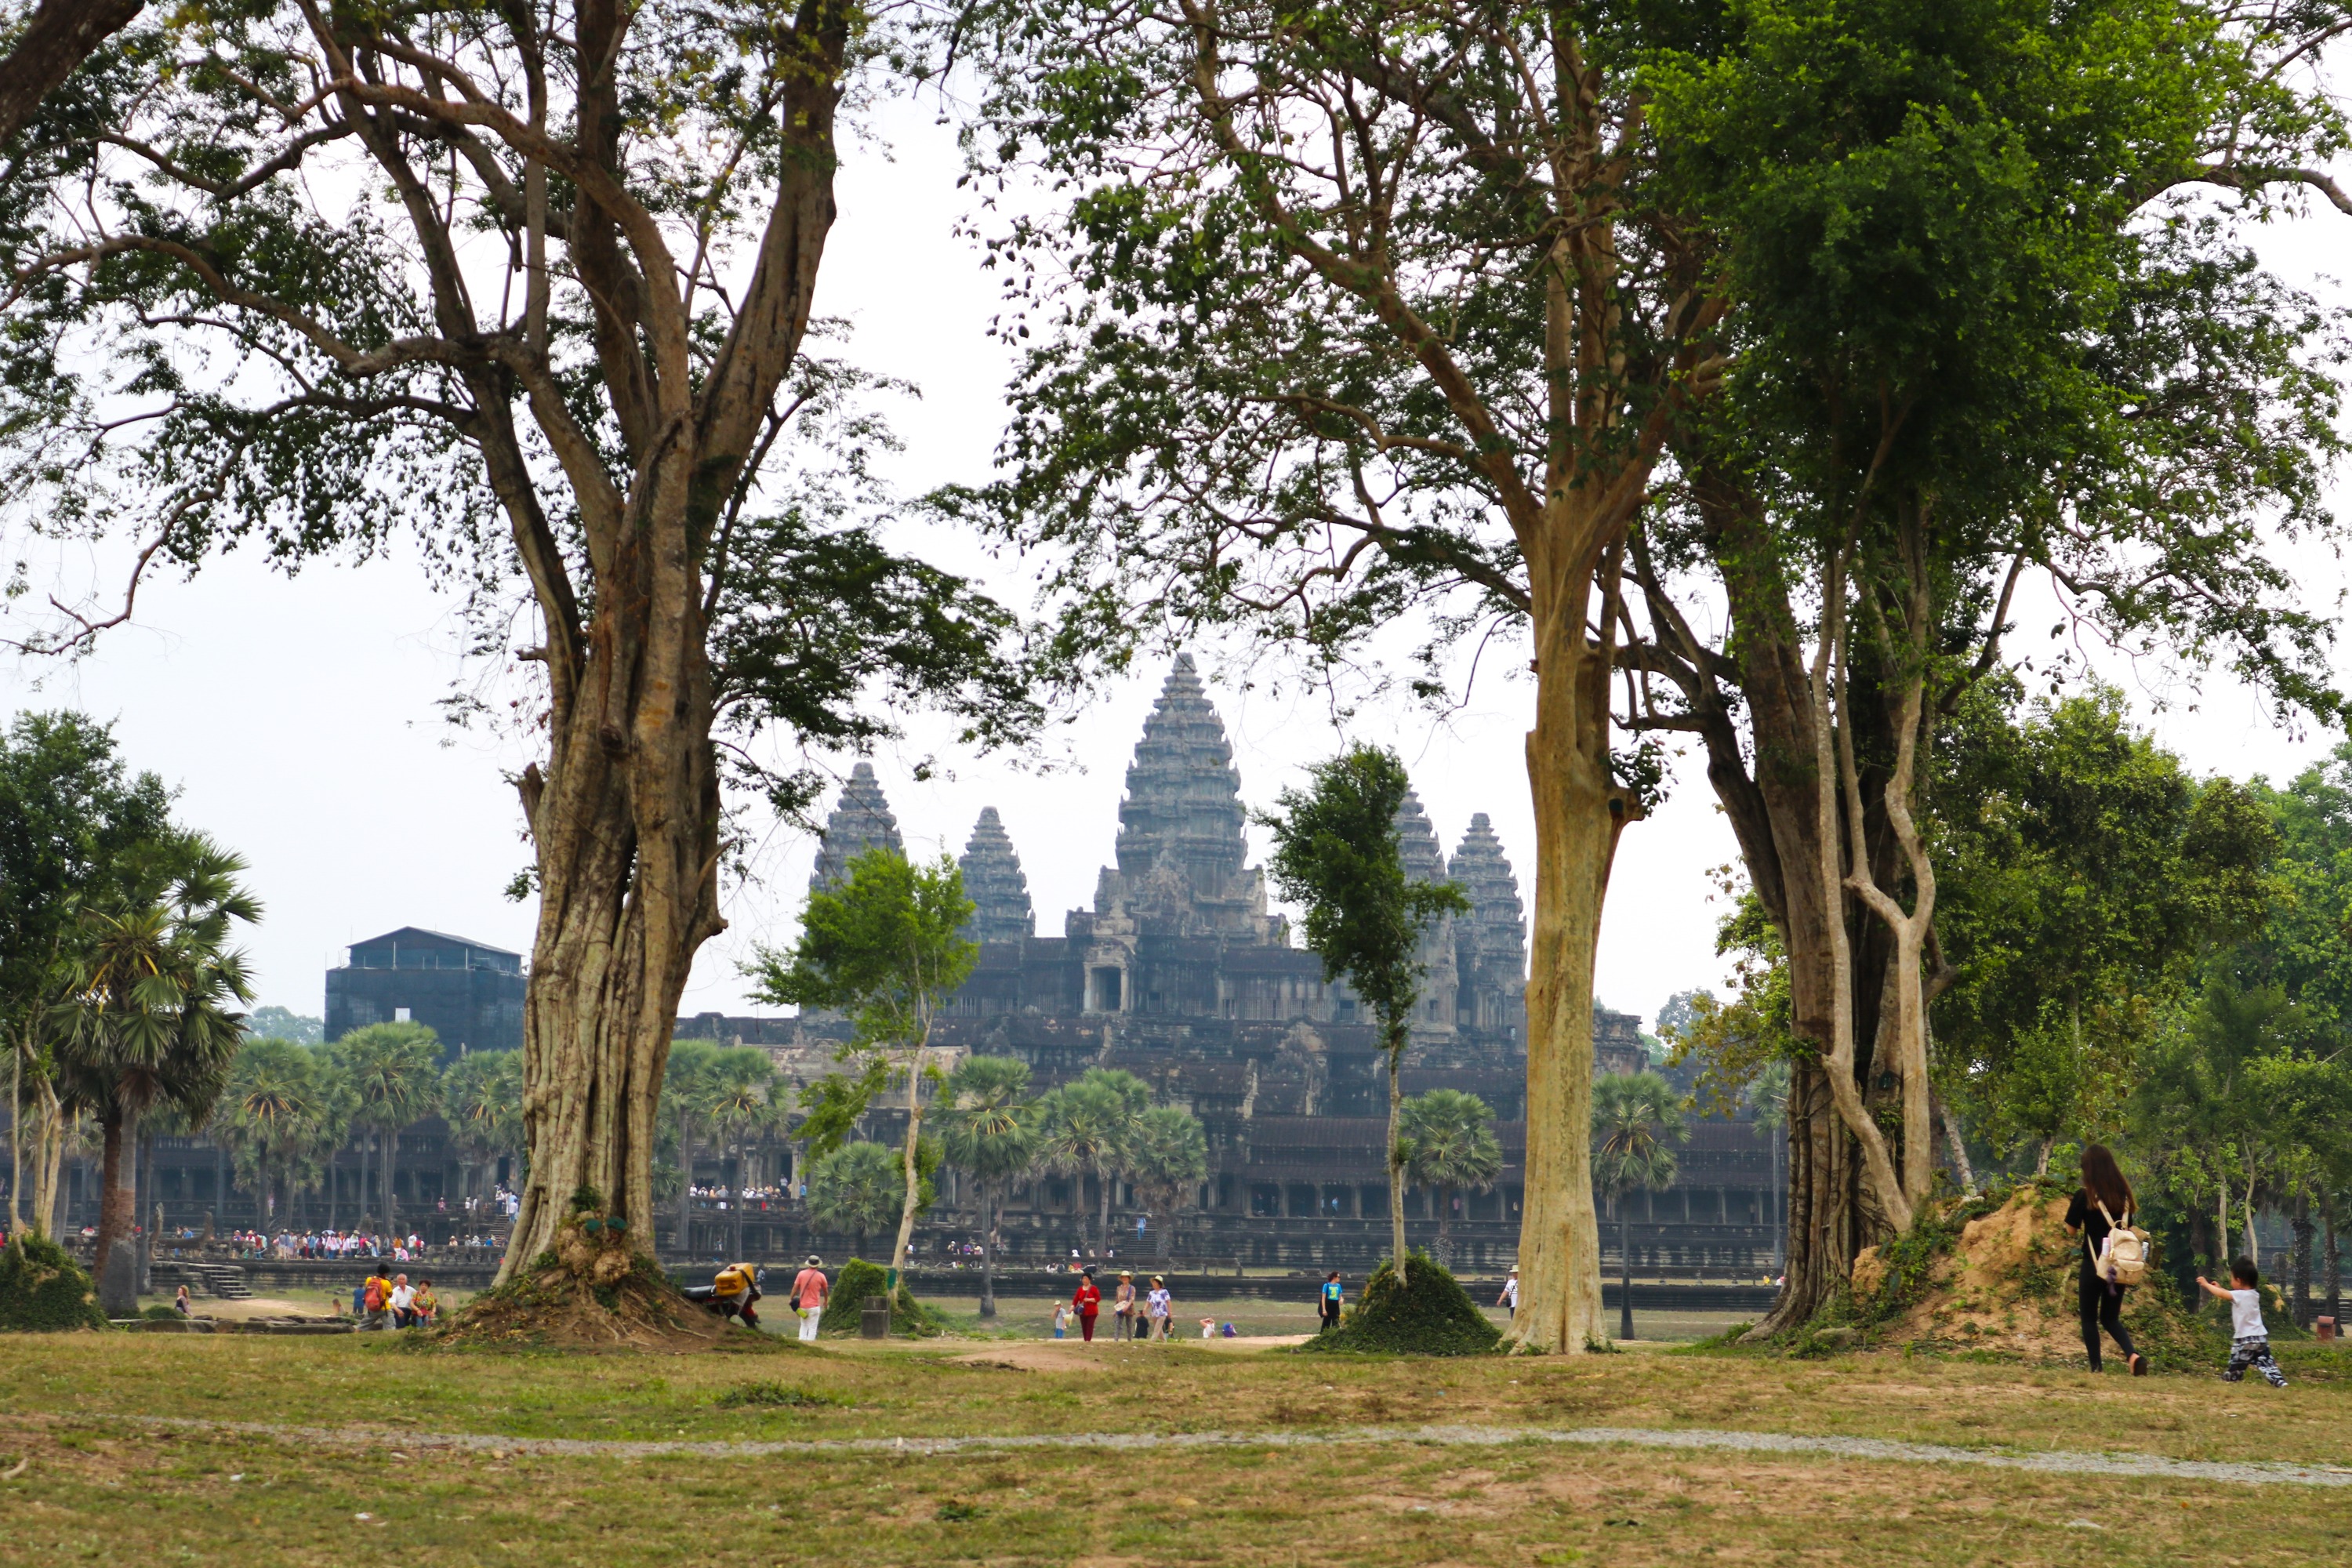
{"x": 1428, "y": 1314}
{"x": 593, "y": 1290}
{"x": 44, "y": 1290}
{"x": 860, "y": 1280}
{"x": 1993, "y": 1276}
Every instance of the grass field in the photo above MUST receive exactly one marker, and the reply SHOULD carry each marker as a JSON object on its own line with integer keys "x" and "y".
{"x": 101, "y": 1479}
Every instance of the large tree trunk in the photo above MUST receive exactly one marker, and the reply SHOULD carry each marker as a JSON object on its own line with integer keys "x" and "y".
{"x": 117, "y": 1270}
{"x": 1579, "y": 813}
{"x": 1396, "y": 1152}
{"x": 62, "y": 35}
{"x": 2333, "y": 1260}
{"x": 2303, "y": 1234}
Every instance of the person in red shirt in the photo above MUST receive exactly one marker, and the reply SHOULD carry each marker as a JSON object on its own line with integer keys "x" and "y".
{"x": 1089, "y": 1302}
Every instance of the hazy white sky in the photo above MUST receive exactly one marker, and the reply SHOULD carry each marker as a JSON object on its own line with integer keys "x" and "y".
{"x": 298, "y": 717}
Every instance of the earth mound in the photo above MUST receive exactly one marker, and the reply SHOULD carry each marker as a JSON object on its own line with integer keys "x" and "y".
{"x": 1994, "y": 1275}
{"x": 43, "y": 1290}
{"x": 860, "y": 1280}
{"x": 593, "y": 1290}
{"x": 1426, "y": 1313}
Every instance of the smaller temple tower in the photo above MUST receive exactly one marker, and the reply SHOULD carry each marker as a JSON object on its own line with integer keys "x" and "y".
{"x": 860, "y": 821}
{"x": 1425, "y": 862}
{"x": 1491, "y": 944}
{"x": 994, "y": 881}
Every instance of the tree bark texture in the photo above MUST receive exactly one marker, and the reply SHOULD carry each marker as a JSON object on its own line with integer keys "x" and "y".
{"x": 118, "y": 1208}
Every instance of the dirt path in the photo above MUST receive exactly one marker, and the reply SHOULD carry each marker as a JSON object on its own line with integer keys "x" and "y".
{"x": 2051, "y": 1461}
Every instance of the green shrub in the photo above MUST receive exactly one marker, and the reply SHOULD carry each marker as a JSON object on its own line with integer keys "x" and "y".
{"x": 860, "y": 1280}
{"x": 43, "y": 1291}
{"x": 162, "y": 1314}
{"x": 1428, "y": 1314}
{"x": 778, "y": 1396}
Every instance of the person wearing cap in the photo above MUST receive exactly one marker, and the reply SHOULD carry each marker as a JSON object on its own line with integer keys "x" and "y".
{"x": 1510, "y": 1296}
{"x": 809, "y": 1291}
{"x": 1122, "y": 1307}
{"x": 1087, "y": 1300}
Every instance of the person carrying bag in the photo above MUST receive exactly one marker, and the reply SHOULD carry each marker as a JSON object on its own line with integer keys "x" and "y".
{"x": 2115, "y": 1256}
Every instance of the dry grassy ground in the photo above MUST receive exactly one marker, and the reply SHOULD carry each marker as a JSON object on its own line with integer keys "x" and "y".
{"x": 98, "y": 1479}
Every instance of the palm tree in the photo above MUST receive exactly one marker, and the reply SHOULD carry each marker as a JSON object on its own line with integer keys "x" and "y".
{"x": 481, "y": 1099}
{"x": 1168, "y": 1155}
{"x": 991, "y": 1133}
{"x": 738, "y": 1108}
{"x": 686, "y": 1085}
{"x": 1449, "y": 1146}
{"x": 1083, "y": 1129}
{"x": 857, "y": 1188}
{"x": 395, "y": 1073}
{"x": 150, "y": 1019}
{"x": 278, "y": 1115}
{"x": 1637, "y": 1119}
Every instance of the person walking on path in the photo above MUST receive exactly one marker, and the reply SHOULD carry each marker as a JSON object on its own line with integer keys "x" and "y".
{"x": 810, "y": 1289}
{"x": 1509, "y": 1299}
{"x": 2102, "y": 1204}
{"x": 1087, "y": 1300}
{"x": 1163, "y": 1309}
{"x": 2250, "y": 1341}
{"x": 1122, "y": 1307}
{"x": 1332, "y": 1298}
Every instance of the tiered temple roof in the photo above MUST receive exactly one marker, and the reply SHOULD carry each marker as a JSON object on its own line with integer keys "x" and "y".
{"x": 1491, "y": 945}
{"x": 1423, "y": 861}
{"x": 860, "y": 821}
{"x": 994, "y": 881}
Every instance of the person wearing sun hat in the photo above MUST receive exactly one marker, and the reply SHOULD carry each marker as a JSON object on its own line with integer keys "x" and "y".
{"x": 1123, "y": 1306}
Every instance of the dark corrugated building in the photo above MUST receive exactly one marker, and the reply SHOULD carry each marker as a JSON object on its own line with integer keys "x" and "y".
{"x": 468, "y": 993}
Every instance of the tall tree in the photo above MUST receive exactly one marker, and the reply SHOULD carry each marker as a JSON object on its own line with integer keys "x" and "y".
{"x": 1336, "y": 853}
{"x": 75, "y": 826}
{"x": 394, "y": 1074}
{"x": 1450, "y": 1147}
{"x": 1352, "y": 309}
{"x": 281, "y": 1114}
{"x": 859, "y": 1188}
{"x": 1168, "y": 1155}
{"x": 988, "y": 1127}
{"x": 150, "y": 1019}
{"x": 887, "y": 947}
{"x": 481, "y": 1101}
{"x": 1084, "y": 1129}
{"x": 532, "y": 284}
{"x": 1975, "y": 338}
{"x": 1637, "y": 1120}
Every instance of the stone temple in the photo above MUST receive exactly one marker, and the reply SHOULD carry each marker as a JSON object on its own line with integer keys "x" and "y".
{"x": 1180, "y": 973}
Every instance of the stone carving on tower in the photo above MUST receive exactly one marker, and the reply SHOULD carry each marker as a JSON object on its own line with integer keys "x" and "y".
{"x": 1423, "y": 861}
{"x": 861, "y": 820}
{"x": 1181, "y": 848}
{"x": 1491, "y": 943}
{"x": 992, "y": 880}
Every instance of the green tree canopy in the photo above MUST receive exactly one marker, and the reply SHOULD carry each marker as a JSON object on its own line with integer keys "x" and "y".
{"x": 1337, "y": 853}
{"x": 887, "y": 948}
{"x": 1450, "y": 1146}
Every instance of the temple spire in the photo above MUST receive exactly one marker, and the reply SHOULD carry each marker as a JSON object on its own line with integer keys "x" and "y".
{"x": 1491, "y": 945}
{"x": 861, "y": 820}
{"x": 1184, "y": 794}
{"x": 1423, "y": 861}
{"x": 994, "y": 881}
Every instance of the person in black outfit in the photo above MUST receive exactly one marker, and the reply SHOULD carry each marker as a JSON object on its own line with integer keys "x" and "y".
{"x": 2101, "y": 1302}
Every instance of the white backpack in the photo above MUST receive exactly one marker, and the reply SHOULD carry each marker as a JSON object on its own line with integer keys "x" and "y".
{"x": 2123, "y": 1252}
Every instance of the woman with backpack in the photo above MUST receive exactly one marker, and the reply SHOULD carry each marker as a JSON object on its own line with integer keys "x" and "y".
{"x": 2114, "y": 1254}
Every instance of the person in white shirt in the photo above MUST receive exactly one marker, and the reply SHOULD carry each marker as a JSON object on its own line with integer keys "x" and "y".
{"x": 403, "y": 1303}
{"x": 1510, "y": 1296}
{"x": 2249, "y": 1340}
{"x": 1162, "y": 1307}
